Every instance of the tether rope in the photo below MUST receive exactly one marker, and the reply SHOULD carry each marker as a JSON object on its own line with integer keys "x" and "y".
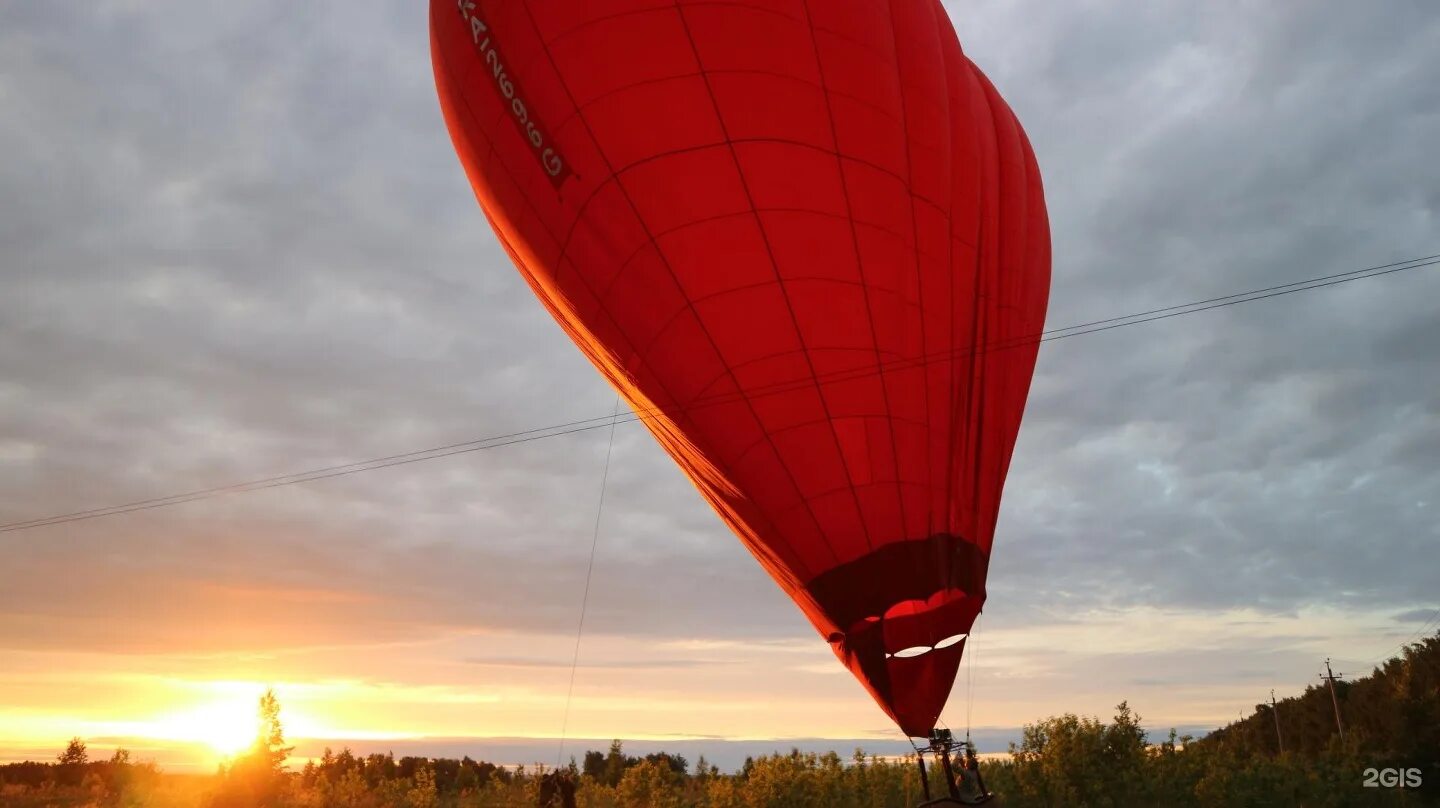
{"x": 589, "y": 571}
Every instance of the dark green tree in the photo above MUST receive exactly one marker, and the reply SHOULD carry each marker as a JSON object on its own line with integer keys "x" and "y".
{"x": 615, "y": 764}
{"x": 594, "y": 766}
{"x": 70, "y": 769}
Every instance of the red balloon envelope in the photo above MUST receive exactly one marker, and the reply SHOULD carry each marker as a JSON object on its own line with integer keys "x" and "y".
{"x": 782, "y": 228}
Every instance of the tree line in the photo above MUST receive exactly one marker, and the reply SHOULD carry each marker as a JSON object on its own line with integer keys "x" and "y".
{"x": 1391, "y": 720}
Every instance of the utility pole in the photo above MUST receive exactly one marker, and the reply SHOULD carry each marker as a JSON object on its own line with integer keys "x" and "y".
{"x": 1329, "y": 677}
{"x": 1275, "y": 710}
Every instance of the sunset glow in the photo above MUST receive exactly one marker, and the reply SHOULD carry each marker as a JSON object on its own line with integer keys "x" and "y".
{"x": 227, "y": 726}
{"x": 512, "y": 685}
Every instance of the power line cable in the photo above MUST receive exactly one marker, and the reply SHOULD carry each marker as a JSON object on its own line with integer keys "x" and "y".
{"x": 587, "y": 424}
{"x": 299, "y": 477}
{"x": 319, "y": 473}
{"x": 1424, "y": 629}
{"x": 1347, "y": 274}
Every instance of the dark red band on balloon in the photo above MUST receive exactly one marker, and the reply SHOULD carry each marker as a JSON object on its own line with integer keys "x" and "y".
{"x": 905, "y": 595}
{"x": 903, "y": 571}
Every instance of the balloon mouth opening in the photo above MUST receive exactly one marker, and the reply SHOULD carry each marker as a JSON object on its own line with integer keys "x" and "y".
{"x": 914, "y": 628}
{"x": 921, "y": 650}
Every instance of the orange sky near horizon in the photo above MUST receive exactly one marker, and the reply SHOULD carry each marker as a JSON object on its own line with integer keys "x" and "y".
{"x": 186, "y": 711}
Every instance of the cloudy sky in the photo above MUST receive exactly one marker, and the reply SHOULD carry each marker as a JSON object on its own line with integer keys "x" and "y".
{"x": 235, "y": 242}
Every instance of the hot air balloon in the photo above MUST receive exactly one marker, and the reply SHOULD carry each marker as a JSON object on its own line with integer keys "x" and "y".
{"x": 806, "y": 240}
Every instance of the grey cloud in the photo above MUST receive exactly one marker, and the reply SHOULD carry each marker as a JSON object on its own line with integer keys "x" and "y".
{"x": 1272, "y": 454}
{"x": 1416, "y": 616}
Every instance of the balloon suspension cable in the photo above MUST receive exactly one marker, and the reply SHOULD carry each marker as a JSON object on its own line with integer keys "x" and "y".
{"x": 589, "y": 571}
{"x": 970, "y": 675}
{"x": 920, "y": 762}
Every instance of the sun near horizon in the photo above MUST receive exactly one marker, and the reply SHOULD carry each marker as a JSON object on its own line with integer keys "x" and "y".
{"x": 229, "y": 725}
{"x": 198, "y": 725}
